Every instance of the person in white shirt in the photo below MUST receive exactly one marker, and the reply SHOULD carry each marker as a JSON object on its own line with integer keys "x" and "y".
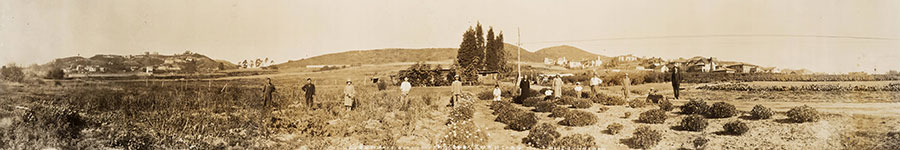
{"x": 595, "y": 85}
{"x": 497, "y": 92}
{"x": 404, "y": 89}
{"x": 578, "y": 89}
{"x": 349, "y": 96}
{"x": 557, "y": 86}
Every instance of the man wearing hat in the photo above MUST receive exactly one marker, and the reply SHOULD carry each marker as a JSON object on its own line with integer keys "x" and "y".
{"x": 456, "y": 90}
{"x": 267, "y": 92}
{"x": 349, "y": 95}
{"x": 310, "y": 89}
{"x": 404, "y": 89}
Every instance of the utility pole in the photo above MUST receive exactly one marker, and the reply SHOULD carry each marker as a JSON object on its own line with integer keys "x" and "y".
{"x": 519, "y": 55}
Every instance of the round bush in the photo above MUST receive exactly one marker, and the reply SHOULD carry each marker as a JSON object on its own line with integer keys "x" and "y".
{"x": 666, "y": 105}
{"x": 579, "y": 118}
{"x": 566, "y": 100}
{"x": 803, "y": 113}
{"x": 582, "y": 103}
{"x": 500, "y": 106}
{"x": 721, "y": 110}
{"x": 736, "y": 128}
{"x": 461, "y": 113}
{"x": 761, "y": 112}
{"x": 694, "y": 107}
{"x": 575, "y": 141}
{"x": 615, "y": 128}
{"x": 523, "y": 121}
{"x": 694, "y": 123}
{"x": 638, "y": 103}
{"x": 627, "y": 114}
{"x": 531, "y": 101}
{"x": 544, "y": 106}
{"x": 700, "y": 142}
{"x": 644, "y": 138}
{"x": 614, "y": 100}
{"x": 541, "y": 136}
{"x": 655, "y": 116}
{"x": 559, "y": 112}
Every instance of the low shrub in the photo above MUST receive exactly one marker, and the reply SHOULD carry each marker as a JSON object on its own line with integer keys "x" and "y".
{"x": 579, "y": 118}
{"x": 627, "y": 115}
{"x": 694, "y": 123}
{"x": 761, "y": 112}
{"x": 700, "y": 142}
{"x": 721, "y": 110}
{"x": 582, "y": 103}
{"x": 615, "y": 128}
{"x": 463, "y": 112}
{"x": 531, "y": 101}
{"x": 575, "y": 141}
{"x": 559, "y": 112}
{"x": 523, "y": 121}
{"x": 614, "y": 100}
{"x": 890, "y": 141}
{"x": 694, "y": 107}
{"x": 464, "y": 133}
{"x": 486, "y": 95}
{"x": 655, "y": 116}
{"x": 500, "y": 106}
{"x": 544, "y": 106}
{"x": 541, "y": 136}
{"x": 736, "y": 128}
{"x": 666, "y": 105}
{"x": 566, "y": 100}
{"x": 644, "y": 138}
{"x": 803, "y": 113}
{"x": 638, "y": 103}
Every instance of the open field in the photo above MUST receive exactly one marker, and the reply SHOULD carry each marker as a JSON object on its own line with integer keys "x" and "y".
{"x": 227, "y": 113}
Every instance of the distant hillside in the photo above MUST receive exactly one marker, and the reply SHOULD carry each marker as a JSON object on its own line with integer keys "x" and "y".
{"x": 181, "y": 63}
{"x": 394, "y": 55}
{"x": 569, "y": 52}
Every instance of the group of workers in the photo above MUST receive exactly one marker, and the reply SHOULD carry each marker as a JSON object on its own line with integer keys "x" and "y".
{"x": 349, "y": 94}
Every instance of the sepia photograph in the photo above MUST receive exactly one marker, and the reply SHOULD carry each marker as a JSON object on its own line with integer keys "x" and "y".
{"x": 450, "y": 75}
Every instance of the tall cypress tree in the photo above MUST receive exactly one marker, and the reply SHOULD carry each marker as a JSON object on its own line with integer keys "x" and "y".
{"x": 479, "y": 40}
{"x": 468, "y": 56}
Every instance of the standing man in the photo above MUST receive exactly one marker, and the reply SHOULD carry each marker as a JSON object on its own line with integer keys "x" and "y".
{"x": 456, "y": 90}
{"x": 676, "y": 81}
{"x": 595, "y": 84}
{"x": 404, "y": 89}
{"x": 349, "y": 95}
{"x": 626, "y": 82}
{"x": 267, "y": 92}
{"x": 557, "y": 86}
{"x": 310, "y": 91}
{"x": 578, "y": 89}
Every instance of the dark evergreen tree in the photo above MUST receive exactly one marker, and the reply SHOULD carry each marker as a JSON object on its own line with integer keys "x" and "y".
{"x": 468, "y": 56}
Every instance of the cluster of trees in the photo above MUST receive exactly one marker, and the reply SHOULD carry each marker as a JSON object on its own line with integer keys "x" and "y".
{"x": 424, "y": 74}
{"x": 12, "y": 73}
{"x": 475, "y": 53}
{"x": 256, "y": 63}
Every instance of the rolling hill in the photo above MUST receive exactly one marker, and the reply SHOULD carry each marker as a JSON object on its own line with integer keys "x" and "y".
{"x": 569, "y": 52}
{"x": 395, "y": 55}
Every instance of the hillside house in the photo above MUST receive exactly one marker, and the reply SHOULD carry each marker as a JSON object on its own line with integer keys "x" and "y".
{"x": 744, "y": 68}
{"x": 628, "y": 57}
{"x": 548, "y": 61}
{"x": 702, "y": 65}
{"x": 562, "y": 61}
{"x": 575, "y": 65}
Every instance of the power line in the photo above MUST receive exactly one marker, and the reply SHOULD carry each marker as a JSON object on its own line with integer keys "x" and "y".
{"x": 720, "y": 35}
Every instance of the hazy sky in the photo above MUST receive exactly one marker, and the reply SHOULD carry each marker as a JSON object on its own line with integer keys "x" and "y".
{"x": 821, "y": 35}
